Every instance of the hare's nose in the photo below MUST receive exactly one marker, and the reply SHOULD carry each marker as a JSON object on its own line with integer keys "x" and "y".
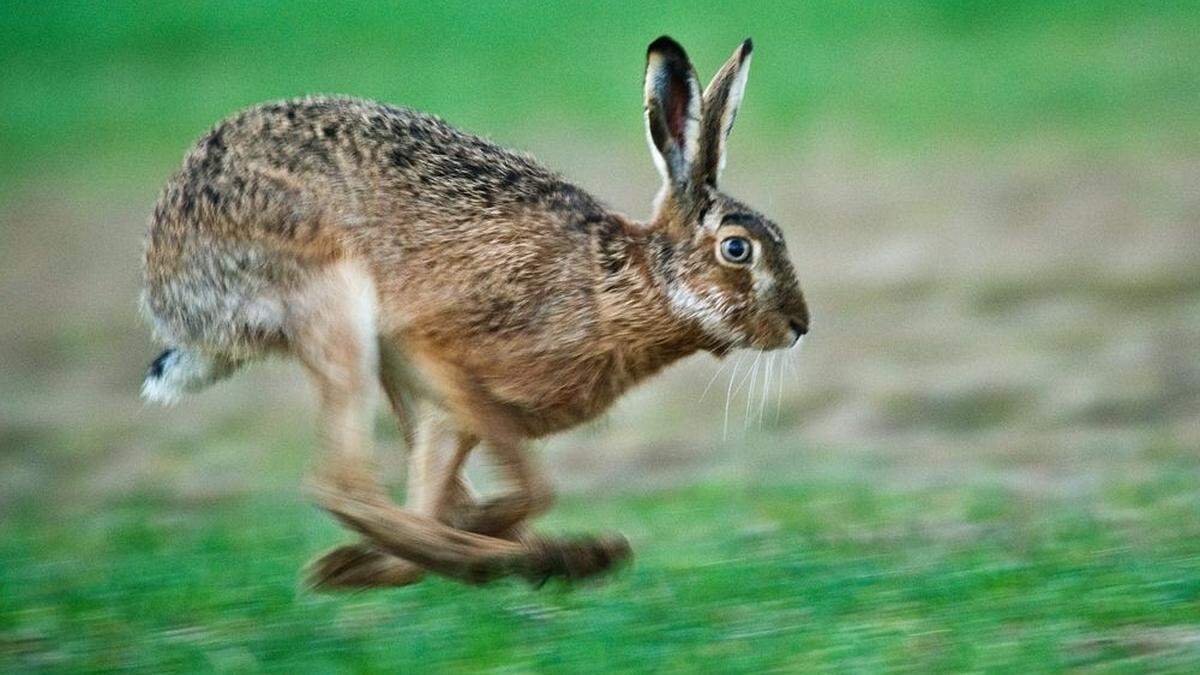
{"x": 798, "y": 327}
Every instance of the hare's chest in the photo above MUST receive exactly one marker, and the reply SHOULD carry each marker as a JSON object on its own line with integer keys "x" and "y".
{"x": 559, "y": 394}
{"x": 570, "y": 395}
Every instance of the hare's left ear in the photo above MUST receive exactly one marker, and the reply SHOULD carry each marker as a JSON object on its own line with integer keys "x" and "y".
{"x": 672, "y": 111}
{"x": 722, "y": 99}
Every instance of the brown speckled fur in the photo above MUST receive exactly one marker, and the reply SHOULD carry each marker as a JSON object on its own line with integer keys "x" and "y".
{"x": 493, "y": 300}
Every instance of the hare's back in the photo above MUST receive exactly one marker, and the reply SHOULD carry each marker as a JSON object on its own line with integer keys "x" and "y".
{"x": 359, "y": 159}
{"x": 270, "y": 191}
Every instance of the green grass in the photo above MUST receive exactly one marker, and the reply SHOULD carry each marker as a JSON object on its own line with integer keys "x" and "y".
{"x": 1061, "y": 534}
{"x": 841, "y": 576}
{"x": 126, "y": 86}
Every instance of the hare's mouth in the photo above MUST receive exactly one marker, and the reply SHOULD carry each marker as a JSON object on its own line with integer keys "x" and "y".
{"x": 784, "y": 335}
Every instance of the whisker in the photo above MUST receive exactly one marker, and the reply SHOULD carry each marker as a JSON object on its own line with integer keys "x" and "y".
{"x": 746, "y": 376}
{"x": 750, "y": 392}
{"x": 777, "y": 372}
{"x": 720, "y": 369}
{"x": 762, "y": 403}
{"x": 791, "y": 362}
{"x": 786, "y": 363}
{"x": 729, "y": 395}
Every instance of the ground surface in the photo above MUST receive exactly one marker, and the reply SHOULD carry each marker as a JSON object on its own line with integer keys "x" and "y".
{"x": 986, "y": 456}
{"x": 837, "y": 576}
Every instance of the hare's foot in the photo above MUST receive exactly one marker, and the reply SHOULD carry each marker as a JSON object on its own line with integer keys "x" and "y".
{"x": 357, "y": 566}
{"x": 362, "y": 565}
{"x": 573, "y": 558}
{"x": 538, "y": 560}
{"x": 430, "y": 544}
{"x": 501, "y": 516}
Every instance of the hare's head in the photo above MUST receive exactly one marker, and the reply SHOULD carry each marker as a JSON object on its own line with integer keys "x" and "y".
{"x": 724, "y": 264}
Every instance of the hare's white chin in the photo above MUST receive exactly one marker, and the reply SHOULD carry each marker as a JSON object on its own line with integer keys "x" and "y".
{"x": 710, "y": 310}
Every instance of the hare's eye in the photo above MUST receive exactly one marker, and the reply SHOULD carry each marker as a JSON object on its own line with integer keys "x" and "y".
{"x": 736, "y": 250}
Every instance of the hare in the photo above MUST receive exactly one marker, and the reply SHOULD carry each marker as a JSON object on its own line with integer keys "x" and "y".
{"x": 494, "y": 302}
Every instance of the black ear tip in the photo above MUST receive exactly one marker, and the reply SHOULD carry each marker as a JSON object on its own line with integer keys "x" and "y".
{"x": 747, "y": 47}
{"x": 667, "y": 47}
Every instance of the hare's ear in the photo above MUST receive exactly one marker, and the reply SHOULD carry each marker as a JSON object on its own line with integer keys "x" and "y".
{"x": 672, "y": 111}
{"x": 722, "y": 99}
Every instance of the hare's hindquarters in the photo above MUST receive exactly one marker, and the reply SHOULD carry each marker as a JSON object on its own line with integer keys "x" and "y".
{"x": 215, "y": 304}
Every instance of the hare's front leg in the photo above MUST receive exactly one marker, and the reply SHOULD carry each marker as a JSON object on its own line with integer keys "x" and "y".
{"x": 529, "y": 492}
{"x": 529, "y": 496}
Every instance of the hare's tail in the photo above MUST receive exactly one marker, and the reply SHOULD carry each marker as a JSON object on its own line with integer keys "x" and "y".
{"x": 182, "y": 370}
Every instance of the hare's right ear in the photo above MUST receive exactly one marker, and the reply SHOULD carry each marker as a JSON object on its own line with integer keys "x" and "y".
{"x": 672, "y": 111}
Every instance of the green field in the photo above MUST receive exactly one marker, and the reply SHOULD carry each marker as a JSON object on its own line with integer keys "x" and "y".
{"x": 986, "y": 457}
{"x": 798, "y": 577}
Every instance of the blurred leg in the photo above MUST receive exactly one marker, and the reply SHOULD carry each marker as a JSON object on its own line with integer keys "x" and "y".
{"x": 331, "y": 331}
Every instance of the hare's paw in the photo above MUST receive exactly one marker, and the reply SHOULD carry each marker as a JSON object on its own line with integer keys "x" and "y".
{"x": 501, "y": 516}
{"x": 494, "y": 518}
{"x": 574, "y": 558}
{"x": 357, "y": 566}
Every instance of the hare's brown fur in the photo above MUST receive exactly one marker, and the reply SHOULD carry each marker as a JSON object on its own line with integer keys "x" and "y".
{"x": 495, "y": 301}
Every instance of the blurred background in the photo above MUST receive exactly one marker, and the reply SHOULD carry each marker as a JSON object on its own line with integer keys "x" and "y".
{"x": 985, "y": 455}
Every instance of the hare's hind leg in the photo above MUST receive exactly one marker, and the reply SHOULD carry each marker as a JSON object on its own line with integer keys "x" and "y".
{"x": 436, "y": 489}
{"x": 435, "y": 486}
{"x": 331, "y": 329}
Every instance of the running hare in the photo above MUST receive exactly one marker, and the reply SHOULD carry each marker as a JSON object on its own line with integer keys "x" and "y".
{"x": 493, "y": 300}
